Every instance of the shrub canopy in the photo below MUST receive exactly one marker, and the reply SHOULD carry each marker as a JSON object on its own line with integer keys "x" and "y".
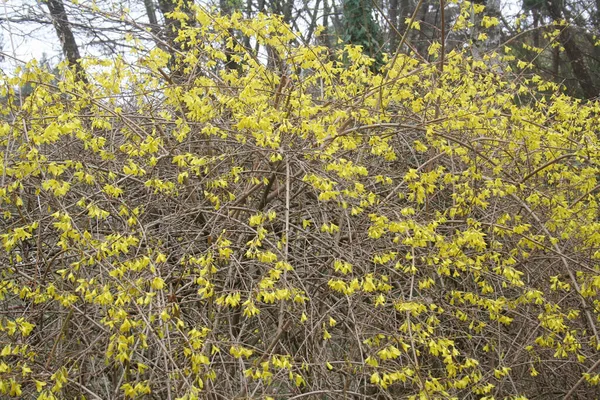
{"x": 300, "y": 229}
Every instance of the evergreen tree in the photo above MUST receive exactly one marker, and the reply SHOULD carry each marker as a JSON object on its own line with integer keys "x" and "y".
{"x": 361, "y": 29}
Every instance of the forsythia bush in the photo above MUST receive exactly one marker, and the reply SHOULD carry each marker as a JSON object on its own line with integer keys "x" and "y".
{"x": 298, "y": 228}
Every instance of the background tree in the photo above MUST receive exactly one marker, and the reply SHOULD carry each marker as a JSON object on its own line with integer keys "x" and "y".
{"x": 360, "y": 28}
{"x": 565, "y": 53}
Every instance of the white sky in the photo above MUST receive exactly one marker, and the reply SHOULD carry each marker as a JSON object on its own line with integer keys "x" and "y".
{"x": 26, "y": 41}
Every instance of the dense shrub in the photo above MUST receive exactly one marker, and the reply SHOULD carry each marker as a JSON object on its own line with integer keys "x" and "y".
{"x": 303, "y": 228}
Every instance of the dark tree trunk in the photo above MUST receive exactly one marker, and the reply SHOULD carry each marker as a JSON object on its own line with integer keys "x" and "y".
{"x": 419, "y": 37}
{"x": 556, "y": 62}
{"x": 327, "y": 32}
{"x": 313, "y": 20}
{"x": 171, "y": 31}
{"x": 230, "y": 63}
{"x": 596, "y": 17}
{"x": 248, "y": 15}
{"x": 536, "y": 23}
{"x": 566, "y": 39}
{"x": 288, "y": 7}
{"x": 577, "y": 62}
{"x": 394, "y": 38}
{"x": 150, "y": 11}
{"x": 155, "y": 28}
{"x": 66, "y": 37}
{"x": 172, "y": 25}
{"x": 283, "y": 8}
{"x": 405, "y": 12}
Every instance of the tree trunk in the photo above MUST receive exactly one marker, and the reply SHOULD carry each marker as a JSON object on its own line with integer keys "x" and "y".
{"x": 574, "y": 54}
{"x": 313, "y": 20}
{"x": 150, "y": 11}
{"x": 327, "y": 31}
{"x": 66, "y": 37}
{"x": 230, "y": 64}
{"x": 393, "y": 37}
{"x": 172, "y": 25}
{"x": 577, "y": 62}
{"x": 536, "y": 24}
{"x": 171, "y": 31}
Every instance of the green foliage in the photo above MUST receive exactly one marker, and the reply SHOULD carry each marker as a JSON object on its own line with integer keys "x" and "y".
{"x": 361, "y": 29}
{"x": 534, "y": 5}
{"x": 318, "y": 230}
